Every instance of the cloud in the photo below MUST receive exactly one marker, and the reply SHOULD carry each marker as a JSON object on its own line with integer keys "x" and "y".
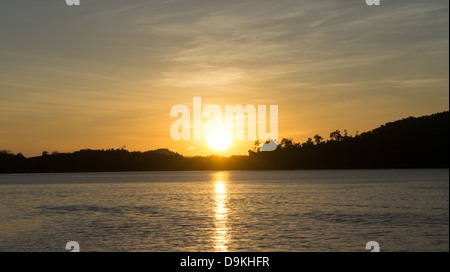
{"x": 112, "y": 62}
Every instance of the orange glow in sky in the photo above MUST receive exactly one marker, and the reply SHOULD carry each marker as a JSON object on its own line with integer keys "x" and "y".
{"x": 106, "y": 74}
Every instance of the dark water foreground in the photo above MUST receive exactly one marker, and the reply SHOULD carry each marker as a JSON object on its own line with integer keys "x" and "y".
{"x": 403, "y": 210}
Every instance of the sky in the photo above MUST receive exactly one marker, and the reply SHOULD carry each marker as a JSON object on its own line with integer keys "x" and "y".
{"x": 106, "y": 74}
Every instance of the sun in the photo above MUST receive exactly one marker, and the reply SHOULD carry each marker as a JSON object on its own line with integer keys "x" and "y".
{"x": 219, "y": 139}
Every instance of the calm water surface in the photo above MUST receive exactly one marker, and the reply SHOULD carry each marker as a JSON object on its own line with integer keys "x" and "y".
{"x": 403, "y": 210}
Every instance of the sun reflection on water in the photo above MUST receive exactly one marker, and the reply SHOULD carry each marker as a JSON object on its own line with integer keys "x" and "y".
{"x": 221, "y": 236}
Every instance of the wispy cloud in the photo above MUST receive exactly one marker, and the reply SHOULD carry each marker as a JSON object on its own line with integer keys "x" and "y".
{"x": 111, "y": 64}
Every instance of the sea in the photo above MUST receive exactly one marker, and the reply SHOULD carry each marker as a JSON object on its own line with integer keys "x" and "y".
{"x": 226, "y": 211}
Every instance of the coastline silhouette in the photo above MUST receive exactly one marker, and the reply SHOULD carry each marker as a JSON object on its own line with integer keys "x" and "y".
{"x": 421, "y": 142}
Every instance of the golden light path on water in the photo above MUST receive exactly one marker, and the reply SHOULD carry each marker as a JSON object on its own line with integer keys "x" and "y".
{"x": 221, "y": 236}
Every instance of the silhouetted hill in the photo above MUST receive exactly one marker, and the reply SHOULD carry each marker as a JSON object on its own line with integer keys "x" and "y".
{"x": 408, "y": 143}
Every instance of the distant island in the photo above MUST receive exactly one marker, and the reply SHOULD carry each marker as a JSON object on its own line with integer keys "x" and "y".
{"x": 421, "y": 142}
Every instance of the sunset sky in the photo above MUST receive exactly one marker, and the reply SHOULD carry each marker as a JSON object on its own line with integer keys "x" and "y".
{"x": 106, "y": 74}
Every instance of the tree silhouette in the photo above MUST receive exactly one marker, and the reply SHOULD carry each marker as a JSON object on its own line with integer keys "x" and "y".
{"x": 407, "y": 143}
{"x": 285, "y": 143}
{"x": 317, "y": 139}
{"x": 336, "y": 136}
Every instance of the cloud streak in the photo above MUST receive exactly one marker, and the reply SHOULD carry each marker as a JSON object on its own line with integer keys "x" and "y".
{"x": 120, "y": 60}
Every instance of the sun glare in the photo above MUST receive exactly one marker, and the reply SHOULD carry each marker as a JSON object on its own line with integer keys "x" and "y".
{"x": 219, "y": 139}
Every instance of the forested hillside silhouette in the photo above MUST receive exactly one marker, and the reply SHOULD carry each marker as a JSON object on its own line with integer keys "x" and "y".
{"x": 408, "y": 143}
